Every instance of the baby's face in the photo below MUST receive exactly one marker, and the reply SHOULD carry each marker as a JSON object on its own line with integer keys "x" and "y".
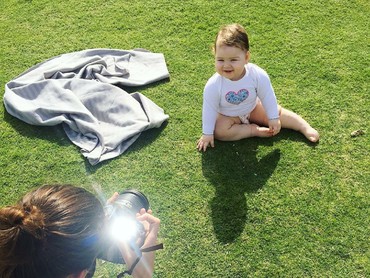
{"x": 230, "y": 61}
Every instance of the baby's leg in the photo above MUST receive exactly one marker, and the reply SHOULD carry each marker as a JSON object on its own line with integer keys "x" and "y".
{"x": 292, "y": 120}
{"x": 288, "y": 119}
{"x": 231, "y": 129}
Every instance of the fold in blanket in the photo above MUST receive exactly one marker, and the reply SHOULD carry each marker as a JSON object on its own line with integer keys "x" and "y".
{"x": 78, "y": 91}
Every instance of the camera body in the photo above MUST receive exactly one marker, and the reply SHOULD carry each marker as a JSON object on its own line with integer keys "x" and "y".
{"x": 122, "y": 226}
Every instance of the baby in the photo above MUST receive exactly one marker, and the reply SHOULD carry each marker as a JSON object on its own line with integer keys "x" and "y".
{"x": 238, "y": 100}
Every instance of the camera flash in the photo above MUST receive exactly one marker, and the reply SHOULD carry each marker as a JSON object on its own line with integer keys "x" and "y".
{"x": 123, "y": 228}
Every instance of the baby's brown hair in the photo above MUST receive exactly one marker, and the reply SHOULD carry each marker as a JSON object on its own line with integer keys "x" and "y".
{"x": 232, "y": 35}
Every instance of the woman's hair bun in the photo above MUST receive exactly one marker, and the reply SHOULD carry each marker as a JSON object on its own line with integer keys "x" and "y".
{"x": 28, "y": 218}
{"x": 23, "y": 227}
{"x": 33, "y": 221}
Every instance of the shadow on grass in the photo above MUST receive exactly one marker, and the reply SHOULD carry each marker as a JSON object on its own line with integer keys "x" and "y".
{"x": 145, "y": 139}
{"x": 234, "y": 170}
{"x": 54, "y": 134}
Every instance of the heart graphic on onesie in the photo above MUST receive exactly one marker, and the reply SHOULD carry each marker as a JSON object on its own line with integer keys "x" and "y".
{"x": 237, "y": 98}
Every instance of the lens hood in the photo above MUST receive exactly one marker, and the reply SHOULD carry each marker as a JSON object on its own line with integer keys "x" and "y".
{"x": 133, "y": 200}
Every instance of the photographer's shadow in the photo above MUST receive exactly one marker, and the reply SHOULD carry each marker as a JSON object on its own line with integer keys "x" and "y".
{"x": 234, "y": 170}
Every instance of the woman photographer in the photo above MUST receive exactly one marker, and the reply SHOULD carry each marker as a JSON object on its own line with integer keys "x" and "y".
{"x": 57, "y": 230}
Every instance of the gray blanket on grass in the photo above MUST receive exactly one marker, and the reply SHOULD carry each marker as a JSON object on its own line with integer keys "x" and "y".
{"x": 78, "y": 91}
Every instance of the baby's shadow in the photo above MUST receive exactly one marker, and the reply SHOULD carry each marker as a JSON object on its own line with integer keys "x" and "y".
{"x": 235, "y": 170}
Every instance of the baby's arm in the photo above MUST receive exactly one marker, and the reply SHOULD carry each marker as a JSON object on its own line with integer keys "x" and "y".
{"x": 274, "y": 126}
{"x": 209, "y": 121}
{"x": 209, "y": 116}
{"x": 266, "y": 94}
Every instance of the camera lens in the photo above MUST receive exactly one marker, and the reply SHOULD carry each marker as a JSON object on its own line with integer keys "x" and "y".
{"x": 132, "y": 201}
{"x": 123, "y": 224}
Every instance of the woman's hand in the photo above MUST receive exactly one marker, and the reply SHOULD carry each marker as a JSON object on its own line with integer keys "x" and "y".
{"x": 151, "y": 225}
{"x": 112, "y": 199}
{"x": 145, "y": 266}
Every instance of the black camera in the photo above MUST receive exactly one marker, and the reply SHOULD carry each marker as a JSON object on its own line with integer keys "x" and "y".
{"x": 122, "y": 225}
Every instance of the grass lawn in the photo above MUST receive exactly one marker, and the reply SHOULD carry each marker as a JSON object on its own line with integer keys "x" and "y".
{"x": 278, "y": 207}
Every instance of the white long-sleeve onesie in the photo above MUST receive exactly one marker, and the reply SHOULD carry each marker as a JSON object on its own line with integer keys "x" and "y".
{"x": 237, "y": 98}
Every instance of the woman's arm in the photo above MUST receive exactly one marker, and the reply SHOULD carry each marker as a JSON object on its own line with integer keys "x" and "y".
{"x": 145, "y": 266}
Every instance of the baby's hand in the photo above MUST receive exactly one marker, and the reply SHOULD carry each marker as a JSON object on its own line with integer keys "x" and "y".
{"x": 205, "y": 141}
{"x": 274, "y": 126}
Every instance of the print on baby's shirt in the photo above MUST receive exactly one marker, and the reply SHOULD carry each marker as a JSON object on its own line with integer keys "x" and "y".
{"x": 237, "y": 98}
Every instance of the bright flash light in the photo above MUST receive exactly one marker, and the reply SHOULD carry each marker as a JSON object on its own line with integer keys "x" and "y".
{"x": 123, "y": 228}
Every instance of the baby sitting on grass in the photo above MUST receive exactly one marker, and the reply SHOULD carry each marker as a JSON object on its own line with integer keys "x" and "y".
{"x": 238, "y": 100}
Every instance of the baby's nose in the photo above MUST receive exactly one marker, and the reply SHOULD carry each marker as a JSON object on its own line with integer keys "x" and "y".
{"x": 227, "y": 64}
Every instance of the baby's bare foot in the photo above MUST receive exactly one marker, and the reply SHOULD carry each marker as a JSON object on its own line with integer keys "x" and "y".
{"x": 311, "y": 134}
{"x": 261, "y": 131}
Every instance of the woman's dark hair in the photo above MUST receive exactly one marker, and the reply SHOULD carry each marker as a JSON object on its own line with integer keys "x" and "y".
{"x": 53, "y": 231}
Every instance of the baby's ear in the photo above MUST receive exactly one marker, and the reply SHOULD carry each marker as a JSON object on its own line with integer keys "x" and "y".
{"x": 248, "y": 56}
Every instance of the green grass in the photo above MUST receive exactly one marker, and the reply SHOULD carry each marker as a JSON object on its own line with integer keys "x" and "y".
{"x": 277, "y": 207}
